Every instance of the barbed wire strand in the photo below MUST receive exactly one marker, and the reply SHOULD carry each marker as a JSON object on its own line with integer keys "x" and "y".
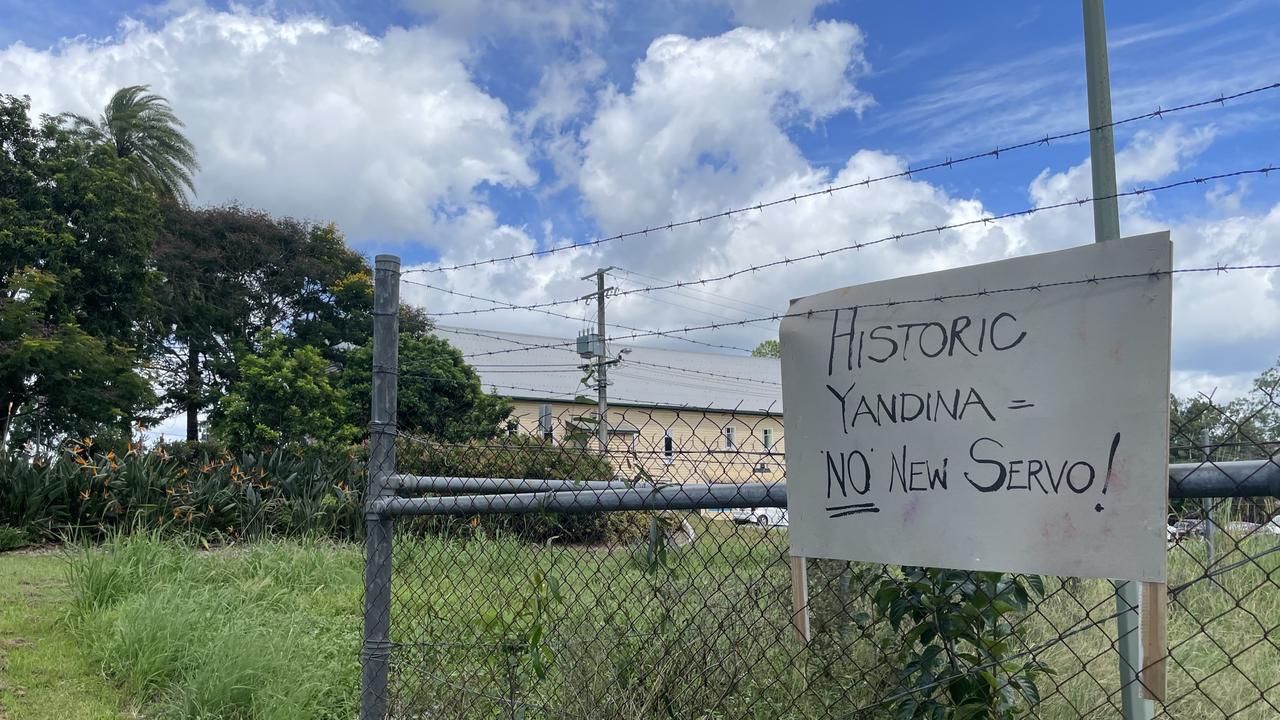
{"x": 995, "y": 153}
{"x": 508, "y": 306}
{"x": 937, "y": 298}
{"x": 822, "y": 254}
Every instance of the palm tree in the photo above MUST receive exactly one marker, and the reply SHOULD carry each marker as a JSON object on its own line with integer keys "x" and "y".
{"x": 144, "y": 130}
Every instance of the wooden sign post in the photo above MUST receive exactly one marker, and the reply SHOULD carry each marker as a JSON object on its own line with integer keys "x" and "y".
{"x": 1154, "y": 611}
{"x": 800, "y": 598}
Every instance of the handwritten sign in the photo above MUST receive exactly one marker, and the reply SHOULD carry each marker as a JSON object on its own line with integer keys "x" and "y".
{"x": 993, "y": 426}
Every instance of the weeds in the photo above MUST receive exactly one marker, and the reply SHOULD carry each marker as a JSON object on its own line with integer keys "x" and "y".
{"x": 272, "y": 630}
{"x": 12, "y": 538}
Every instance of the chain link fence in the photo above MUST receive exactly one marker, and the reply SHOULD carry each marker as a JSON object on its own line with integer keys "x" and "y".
{"x": 533, "y": 600}
{"x": 545, "y": 574}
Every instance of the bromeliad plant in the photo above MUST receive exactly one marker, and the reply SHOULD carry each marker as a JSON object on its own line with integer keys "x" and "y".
{"x": 211, "y": 495}
{"x": 957, "y": 644}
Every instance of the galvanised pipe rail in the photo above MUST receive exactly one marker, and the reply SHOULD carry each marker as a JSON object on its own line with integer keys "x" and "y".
{"x": 420, "y": 483}
{"x": 661, "y": 497}
{"x": 1248, "y": 478}
{"x": 1241, "y": 478}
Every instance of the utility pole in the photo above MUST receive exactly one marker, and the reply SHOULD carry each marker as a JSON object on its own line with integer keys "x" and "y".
{"x": 601, "y": 355}
{"x": 1106, "y": 226}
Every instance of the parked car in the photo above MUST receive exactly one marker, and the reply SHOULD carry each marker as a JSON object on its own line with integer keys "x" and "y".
{"x": 764, "y": 517}
{"x": 1242, "y": 528}
{"x": 1186, "y": 529}
{"x": 1271, "y": 527}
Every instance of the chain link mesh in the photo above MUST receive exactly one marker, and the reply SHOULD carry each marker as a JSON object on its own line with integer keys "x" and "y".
{"x": 523, "y": 613}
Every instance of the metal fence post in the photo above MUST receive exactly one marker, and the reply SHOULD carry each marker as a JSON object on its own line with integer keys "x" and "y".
{"x": 1106, "y": 226}
{"x": 1206, "y": 504}
{"x": 376, "y": 651}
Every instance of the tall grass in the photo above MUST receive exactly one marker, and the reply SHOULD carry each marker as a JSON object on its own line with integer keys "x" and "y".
{"x": 272, "y": 631}
{"x": 268, "y": 631}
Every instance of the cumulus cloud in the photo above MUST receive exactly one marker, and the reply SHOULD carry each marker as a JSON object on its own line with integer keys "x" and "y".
{"x": 705, "y": 127}
{"x": 1148, "y": 157}
{"x": 706, "y": 119}
{"x": 388, "y": 136}
{"x": 391, "y": 137}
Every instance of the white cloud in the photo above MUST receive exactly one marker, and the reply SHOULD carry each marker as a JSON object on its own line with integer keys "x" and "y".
{"x": 1222, "y": 388}
{"x": 706, "y": 119}
{"x": 1148, "y": 157}
{"x": 705, "y": 128}
{"x": 562, "y": 91}
{"x": 391, "y": 137}
{"x": 388, "y": 136}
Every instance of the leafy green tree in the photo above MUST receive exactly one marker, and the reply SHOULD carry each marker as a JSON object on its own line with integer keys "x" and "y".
{"x": 439, "y": 394}
{"x": 768, "y": 349}
{"x": 141, "y": 128}
{"x": 57, "y": 378}
{"x": 231, "y": 273}
{"x": 1260, "y": 409}
{"x": 283, "y": 396}
{"x": 75, "y": 284}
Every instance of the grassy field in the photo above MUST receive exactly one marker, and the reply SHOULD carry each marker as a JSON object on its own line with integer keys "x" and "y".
{"x": 43, "y": 675}
{"x": 496, "y": 628}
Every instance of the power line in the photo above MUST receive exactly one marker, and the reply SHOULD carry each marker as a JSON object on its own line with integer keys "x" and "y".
{"x": 544, "y": 393}
{"x": 503, "y": 305}
{"x": 715, "y": 299}
{"x": 949, "y": 162}
{"x": 632, "y": 361}
{"x": 626, "y": 362}
{"x": 700, "y": 311}
{"x": 1037, "y": 287}
{"x": 565, "y": 347}
{"x": 821, "y": 254}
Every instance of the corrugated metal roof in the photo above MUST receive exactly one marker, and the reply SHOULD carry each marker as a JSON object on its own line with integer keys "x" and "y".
{"x": 645, "y": 376}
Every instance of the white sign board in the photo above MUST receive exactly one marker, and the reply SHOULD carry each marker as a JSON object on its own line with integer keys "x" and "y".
{"x": 966, "y": 419}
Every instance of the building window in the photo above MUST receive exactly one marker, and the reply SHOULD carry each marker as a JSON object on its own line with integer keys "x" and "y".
{"x": 729, "y": 443}
{"x": 668, "y": 448}
{"x": 767, "y": 434}
{"x": 545, "y": 429}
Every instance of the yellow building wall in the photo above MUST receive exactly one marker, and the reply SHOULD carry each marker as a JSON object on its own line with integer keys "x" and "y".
{"x": 700, "y": 453}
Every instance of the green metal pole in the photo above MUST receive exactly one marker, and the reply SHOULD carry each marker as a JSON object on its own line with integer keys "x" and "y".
{"x": 379, "y": 527}
{"x": 1106, "y": 226}
{"x": 1102, "y": 142}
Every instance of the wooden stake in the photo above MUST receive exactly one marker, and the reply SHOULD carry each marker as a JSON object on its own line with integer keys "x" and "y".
{"x": 800, "y": 598}
{"x": 1155, "y": 641}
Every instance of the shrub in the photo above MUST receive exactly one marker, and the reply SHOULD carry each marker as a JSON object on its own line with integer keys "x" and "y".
{"x": 12, "y": 538}
{"x": 215, "y": 495}
{"x": 206, "y": 491}
{"x": 522, "y": 456}
{"x": 960, "y": 632}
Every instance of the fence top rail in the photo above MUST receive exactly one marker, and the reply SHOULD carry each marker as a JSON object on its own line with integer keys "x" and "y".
{"x": 503, "y": 485}
{"x": 1245, "y": 478}
{"x": 659, "y": 497}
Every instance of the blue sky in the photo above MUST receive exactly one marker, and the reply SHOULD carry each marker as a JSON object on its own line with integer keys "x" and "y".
{"x": 461, "y": 130}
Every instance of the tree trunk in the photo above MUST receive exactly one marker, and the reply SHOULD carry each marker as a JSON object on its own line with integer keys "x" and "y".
{"x": 193, "y": 390}
{"x": 6, "y": 414}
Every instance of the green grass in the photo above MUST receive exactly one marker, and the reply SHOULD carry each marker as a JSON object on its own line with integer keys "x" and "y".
{"x": 273, "y": 631}
{"x": 712, "y": 629}
{"x": 270, "y": 631}
{"x": 43, "y": 676}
